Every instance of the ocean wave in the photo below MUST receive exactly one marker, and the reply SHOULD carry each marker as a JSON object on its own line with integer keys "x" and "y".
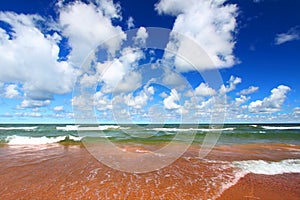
{"x": 192, "y": 129}
{"x": 68, "y": 128}
{"x": 27, "y": 128}
{"x": 269, "y": 168}
{"x": 92, "y": 128}
{"x": 281, "y": 127}
{"x": 25, "y": 140}
{"x": 253, "y": 125}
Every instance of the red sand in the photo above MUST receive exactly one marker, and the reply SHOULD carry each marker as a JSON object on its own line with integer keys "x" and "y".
{"x": 70, "y": 172}
{"x": 275, "y": 187}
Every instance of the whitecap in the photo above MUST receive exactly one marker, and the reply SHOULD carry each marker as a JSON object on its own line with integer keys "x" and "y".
{"x": 25, "y": 140}
{"x": 27, "y": 128}
{"x": 281, "y": 127}
{"x": 269, "y": 168}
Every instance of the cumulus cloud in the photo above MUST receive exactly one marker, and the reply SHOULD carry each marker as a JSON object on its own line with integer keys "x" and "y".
{"x": 204, "y": 90}
{"x": 130, "y": 23}
{"x": 28, "y": 103}
{"x": 28, "y": 114}
{"x": 109, "y": 9}
{"x": 271, "y": 103}
{"x": 102, "y": 102}
{"x": 209, "y": 24}
{"x": 241, "y": 100}
{"x": 297, "y": 111}
{"x": 120, "y": 74}
{"x": 58, "y": 108}
{"x": 140, "y": 100}
{"x": 31, "y": 46}
{"x": 233, "y": 81}
{"x": 250, "y": 90}
{"x": 291, "y": 35}
{"x": 170, "y": 101}
{"x": 87, "y": 26}
{"x": 141, "y": 37}
{"x": 30, "y": 57}
{"x": 129, "y": 83}
{"x": 11, "y": 91}
{"x": 172, "y": 79}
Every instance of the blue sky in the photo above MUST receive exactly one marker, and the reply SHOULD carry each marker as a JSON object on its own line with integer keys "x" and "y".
{"x": 45, "y": 76}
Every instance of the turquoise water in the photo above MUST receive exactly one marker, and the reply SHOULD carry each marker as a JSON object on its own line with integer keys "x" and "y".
{"x": 230, "y": 133}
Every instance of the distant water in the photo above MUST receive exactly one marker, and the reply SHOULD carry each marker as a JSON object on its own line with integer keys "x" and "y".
{"x": 12, "y": 134}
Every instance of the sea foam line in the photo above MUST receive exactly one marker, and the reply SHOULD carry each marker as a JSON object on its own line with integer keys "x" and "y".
{"x": 19, "y": 128}
{"x": 25, "y": 140}
{"x": 242, "y": 168}
{"x": 269, "y": 168}
{"x": 91, "y": 128}
{"x": 281, "y": 127}
{"x": 192, "y": 129}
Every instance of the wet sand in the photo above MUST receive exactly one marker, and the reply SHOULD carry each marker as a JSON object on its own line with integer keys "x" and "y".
{"x": 264, "y": 187}
{"x": 59, "y": 171}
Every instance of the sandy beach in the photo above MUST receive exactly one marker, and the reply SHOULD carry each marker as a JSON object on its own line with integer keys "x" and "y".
{"x": 57, "y": 171}
{"x": 267, "y": 187}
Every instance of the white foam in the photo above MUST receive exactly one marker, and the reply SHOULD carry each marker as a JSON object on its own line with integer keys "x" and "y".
{"x": 19, "y": 128}
{"x": 269, "y": 168}
{"x": 108, "y": 127}
{"x": 253, "y": 125}
{"x": 75, "y": 138}
{"x": 68, "y": 128}
{"x": 91, "y": 128}
{"x": 242, "y": 168}
{"x": 281, "y": 127}
{"x": 227, "y": 184}
{"x": 192, "y": 129}
{"x": 24, "y": 140}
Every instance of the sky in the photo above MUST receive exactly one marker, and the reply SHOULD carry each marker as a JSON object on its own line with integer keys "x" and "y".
{"x": 152, "y": 61}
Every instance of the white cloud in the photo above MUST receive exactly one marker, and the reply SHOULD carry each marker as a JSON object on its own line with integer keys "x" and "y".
{"x": 209, "y": 24}
{"x": 170, "y": 78}
{"x": 129, "y": 83}
{"x": 204, "y": 90}
{"x": 109, "y": 9}
{"x": 163, "y": 95}
{"x": 87, "y": 26}
{"x": 140, "y": 100}
{"x": 64, "y": 115}
{"x": 130, "y": 23}
{"x": 28, "y": 114}
{"x": 82, "y": 102}
{"x": 88, "y": 81}
{"x": 11, "y": 91}
{"x": 272, "y": 103}
{"x": 291, "y": 35}
{"x": 31, "y": 58}
{"x": 233, "y": 81}
{"x": 297, "y": 111}
{"x": 249, "y": 90}
{"x": 114, "y": 74}
{"x": 120, "y": 75}
{"x": 58, "y": 108}
{"x": 141, "y": 36}
{"x": 28, "y": 103}
{"x": 241, "y": 100}
{"x": 102, "y": 102}
{"x": 170, "y": 101}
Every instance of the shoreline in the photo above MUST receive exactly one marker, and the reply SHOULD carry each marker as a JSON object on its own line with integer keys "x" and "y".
{"x": 68, "y": 170}
{"x": 266, "y": 187}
